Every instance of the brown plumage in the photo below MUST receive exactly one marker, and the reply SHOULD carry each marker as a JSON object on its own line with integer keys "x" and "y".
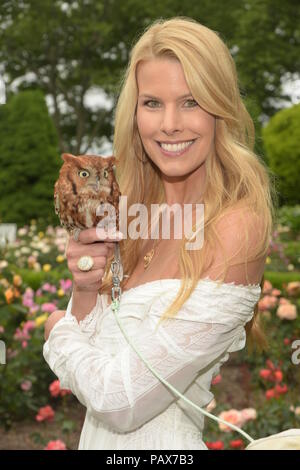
{"x": 84, "y": 183}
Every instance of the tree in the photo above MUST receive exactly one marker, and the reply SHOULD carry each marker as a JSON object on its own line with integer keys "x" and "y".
{"x": 281, "y": 139}
{"x": 65, "y": 48}
{"x": 29, "y": 157}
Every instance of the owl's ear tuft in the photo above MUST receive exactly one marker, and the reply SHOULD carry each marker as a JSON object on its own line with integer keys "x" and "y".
{"x": 68, "y": 157}
{"x": 111, "y": 160}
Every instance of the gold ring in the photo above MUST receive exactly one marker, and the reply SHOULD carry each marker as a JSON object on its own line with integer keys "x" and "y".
{"x": 85, "y": 263}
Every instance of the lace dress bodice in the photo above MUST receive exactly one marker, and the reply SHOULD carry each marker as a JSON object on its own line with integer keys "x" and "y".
{"x": 127, "y": 406}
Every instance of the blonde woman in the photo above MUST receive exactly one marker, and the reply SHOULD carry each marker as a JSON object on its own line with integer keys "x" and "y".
{"x": 182, "y": 136}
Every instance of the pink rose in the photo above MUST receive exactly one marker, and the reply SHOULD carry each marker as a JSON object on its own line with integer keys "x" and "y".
{"x": 237, "y": 444}
{"x": 283, "y": 300}
{"x": 267, "y": 302}
{"x": 54, "y": 388}
{"x": 293, "y": 288}
{"x": 34, "y": 309}
{"x": 287, "y": 312}
{"x": 26, "y": 385}
{"x": 248, "y": 414}
{"x": 216, "y": 380}
{"x": 267, "y": 288}
{"x": 232, "y": 416}
{"x": 29, "y": 325}
{"x": 56, "y": 445}
{"x": 265, "y": 373}
{"x": 276, "y": 292}
{"x": 49, "y": 307}
{"x": 217, "y": 445}
{"x": 46, "y": 413}
{"x": 270, "y": 393}
{"x": 281, "y": 389}
{"x": 66, "y": 284}
{"x": 278, "y": 376}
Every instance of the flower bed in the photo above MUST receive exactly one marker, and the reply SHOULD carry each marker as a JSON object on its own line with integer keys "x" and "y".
{"x": 34, "y": 281}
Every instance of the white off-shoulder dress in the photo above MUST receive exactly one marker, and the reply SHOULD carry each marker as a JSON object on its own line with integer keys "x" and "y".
{"x": 127, "y": 406}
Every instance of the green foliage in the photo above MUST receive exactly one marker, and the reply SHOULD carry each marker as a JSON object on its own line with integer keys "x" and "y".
{"x": 25, "y": 362}
{"x": 281, "y": 140}
{"x": 29, "y": 159}
{"x": 289, "y": 216}
{"x": 277, "y": 279}
{"x": 93, "y": 39}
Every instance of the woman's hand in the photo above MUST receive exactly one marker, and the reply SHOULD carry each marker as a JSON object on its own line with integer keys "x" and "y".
{"x": 97, "y": 244}
{"x": 52, "y": 319}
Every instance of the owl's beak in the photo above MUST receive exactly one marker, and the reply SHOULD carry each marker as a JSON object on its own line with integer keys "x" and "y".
{"x": 96, "y": 185}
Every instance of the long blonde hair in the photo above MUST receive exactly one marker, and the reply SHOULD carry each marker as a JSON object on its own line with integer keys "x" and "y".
{"x": 234, "y": 173}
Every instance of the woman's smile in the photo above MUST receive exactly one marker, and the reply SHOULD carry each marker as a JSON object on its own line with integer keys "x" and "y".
{"x": 174, "y": 150}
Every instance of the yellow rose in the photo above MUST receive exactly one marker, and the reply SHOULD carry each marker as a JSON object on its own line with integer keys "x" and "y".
{"x": 60, "y": 258}
{"x": 60, "y": 292}
{"x": 41, "y": 234}
{"x": 46, "y": 267}
{"x": 9, "y": 295}
{"x": 17, "y": 280}
{"x": 41, "y": 319}
{"x": 268, "y": 260}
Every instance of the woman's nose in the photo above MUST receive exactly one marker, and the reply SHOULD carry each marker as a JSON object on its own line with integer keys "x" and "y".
{"x": 171, "y": 120}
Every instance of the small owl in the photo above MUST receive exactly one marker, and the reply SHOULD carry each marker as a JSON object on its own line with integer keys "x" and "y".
{"x": 85, "y": 182}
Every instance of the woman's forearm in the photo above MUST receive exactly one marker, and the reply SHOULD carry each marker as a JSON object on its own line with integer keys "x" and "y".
{"x": 83, "y": 302}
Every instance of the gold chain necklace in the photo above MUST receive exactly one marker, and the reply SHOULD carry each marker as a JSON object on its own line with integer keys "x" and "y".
{"x": 149, "y": 255}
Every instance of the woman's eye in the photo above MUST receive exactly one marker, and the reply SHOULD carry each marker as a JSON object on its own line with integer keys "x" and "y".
{"x": 84, "y": 173}
{"x": 146, "y": 103}
{"x": 149, "y": 101}
{"x": 192, "y": 101}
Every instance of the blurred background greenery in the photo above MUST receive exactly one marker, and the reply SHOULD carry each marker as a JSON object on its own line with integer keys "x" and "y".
{"x": 61, "y": 63}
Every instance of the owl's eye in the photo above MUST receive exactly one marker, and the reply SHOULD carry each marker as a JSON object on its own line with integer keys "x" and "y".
{"x": 84, "y": 173}
{"x": 105, "y": 173}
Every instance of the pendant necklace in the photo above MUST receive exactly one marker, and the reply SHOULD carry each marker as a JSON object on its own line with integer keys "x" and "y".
{"x": 149, "y": 255}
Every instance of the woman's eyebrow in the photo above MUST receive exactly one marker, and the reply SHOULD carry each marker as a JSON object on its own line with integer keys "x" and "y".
{"x": 156, "y": 98}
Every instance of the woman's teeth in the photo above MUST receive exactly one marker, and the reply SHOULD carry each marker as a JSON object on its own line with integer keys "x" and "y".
{"x": 176, "y": 147}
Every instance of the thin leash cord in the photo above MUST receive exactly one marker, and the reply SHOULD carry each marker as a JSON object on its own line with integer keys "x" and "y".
{"x": 115, "y": 305}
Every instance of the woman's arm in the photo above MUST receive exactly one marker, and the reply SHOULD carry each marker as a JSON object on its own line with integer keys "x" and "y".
{"x": 52, "y": 319}
{"x": 82, "y": 304}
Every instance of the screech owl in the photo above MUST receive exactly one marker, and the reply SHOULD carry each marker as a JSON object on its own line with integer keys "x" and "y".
{"x": 85, "y": 182}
